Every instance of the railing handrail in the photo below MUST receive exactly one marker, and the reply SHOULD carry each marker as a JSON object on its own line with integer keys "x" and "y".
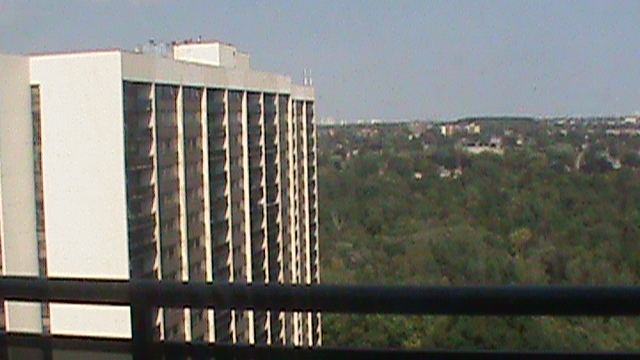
{"x": 408, "y": 300}
{"x": 177, "y": 350}
{"x": 443, "y": 300}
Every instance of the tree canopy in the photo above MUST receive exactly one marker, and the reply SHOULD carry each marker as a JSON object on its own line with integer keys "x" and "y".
{"x": 399, "y": 213}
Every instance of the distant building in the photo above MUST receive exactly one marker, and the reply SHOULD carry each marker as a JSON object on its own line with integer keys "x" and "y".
{"x": 473, "y": 128}
{"x": 187, "y": 167}
{"x": 448, "y": 130}
{"x": 494, "y": 146}
{"x": 623, "y": 132}
{"x": 453, "y": 129}
{"x": 446, "y": 173}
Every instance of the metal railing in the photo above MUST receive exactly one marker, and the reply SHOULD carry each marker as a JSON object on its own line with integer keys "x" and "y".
{"x": 144, "y": 295}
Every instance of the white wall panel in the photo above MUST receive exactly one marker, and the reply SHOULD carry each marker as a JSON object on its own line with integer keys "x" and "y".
{"x": 84, "y": 183}
{"x": 17, "y": 194}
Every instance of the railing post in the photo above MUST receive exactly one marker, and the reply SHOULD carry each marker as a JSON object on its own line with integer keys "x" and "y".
{"x": 4, "y": 349}
{"x": 142, "y": 329}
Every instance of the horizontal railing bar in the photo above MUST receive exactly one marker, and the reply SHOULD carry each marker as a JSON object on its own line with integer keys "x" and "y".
{"x": 353, "y": 299}
{"x": 173, "y": 350}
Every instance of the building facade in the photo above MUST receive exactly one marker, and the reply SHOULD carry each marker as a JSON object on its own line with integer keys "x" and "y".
{"x": 190, "y": 167}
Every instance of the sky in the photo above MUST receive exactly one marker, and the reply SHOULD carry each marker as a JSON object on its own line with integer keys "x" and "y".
{"x": 400, "y": 59}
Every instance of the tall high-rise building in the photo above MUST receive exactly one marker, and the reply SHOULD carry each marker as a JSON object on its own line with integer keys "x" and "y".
{"x": 188, "y": 166}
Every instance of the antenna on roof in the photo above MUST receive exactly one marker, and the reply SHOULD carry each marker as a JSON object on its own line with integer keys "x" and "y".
{"x": 306, "y": 77}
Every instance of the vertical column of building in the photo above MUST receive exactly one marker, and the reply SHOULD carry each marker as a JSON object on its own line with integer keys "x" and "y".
{"x": 314, "y": 246}
{"x": 220, "y": 202}
{"x": 284, "y": 256}
{"x": 36, "y": 118}
{"x": 247, "y": 315}
{"x": 182, "y": 225}
{"x": 295, "y": 214}
{"x": 139, "y": 174}
{"x": 18, "y": 237}
{"x": 238, "y": 219}
{"x": 272, "y": 194}
{"x": 195, "y": 219}
{"x": 206, "y": 214}
{"x": 157, "y": 262}
{"x": 256, "y": 204}
{"x": 304, "y": 195}
{"x": 166, "y": 98}
{"x": 301, "y": 197}
{"x": 140, "y": 180}
{"x": 266, "y": 337}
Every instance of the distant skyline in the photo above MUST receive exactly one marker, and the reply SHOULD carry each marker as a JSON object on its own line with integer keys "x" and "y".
{"x": 382, "y": 59}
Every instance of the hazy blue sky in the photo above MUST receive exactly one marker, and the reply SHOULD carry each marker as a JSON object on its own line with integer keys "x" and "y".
{"x": 383, "y": 59}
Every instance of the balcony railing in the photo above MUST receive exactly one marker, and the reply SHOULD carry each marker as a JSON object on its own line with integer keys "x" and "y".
{"x": 143, "y": 295}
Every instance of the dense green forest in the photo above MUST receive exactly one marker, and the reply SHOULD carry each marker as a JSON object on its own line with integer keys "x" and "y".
{"x": 400, "y": 205}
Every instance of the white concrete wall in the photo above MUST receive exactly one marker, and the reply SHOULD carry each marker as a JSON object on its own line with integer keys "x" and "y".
{"x": 208, "y": 53}
{"x": 212, "y": 54}
{"x": 17, "y": 194}
{"x": 242, "y": 61}
{"x": 83, "y": 160}
{"x": 227, "y": 55}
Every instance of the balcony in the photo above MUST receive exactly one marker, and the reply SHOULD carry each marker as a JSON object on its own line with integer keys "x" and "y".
{"x": 218, "y": 207}
{"x": 272, "y": 186}
{"x": 167, "y": 158}
{"x": 168, "y": 186}
{"x": 195, "y": 228}
{"x": 218, "y": 221}
{"x": 195, "y": 206}
{"x": 141, "y": 221}
{"x": 167, "y": 131}
{"x": 272, "y": 233}
{"x": 193, "y": 154}
{"x": 169, "y": 237}
{"x": 141, "y": 246}
{"x": 235, "y": 151}
{"x": 192, "y": 130}
{"x": 139, "y": 134}
{"x": 216, "y": 106}
{"x": 269, "y": 109}
{"x": 196, "y": 255}
{"x": 254, "y": 108}
{"x": 216, "y": 130}
{"x": 254, "y": 131}
{"x": 257, "y": 210}
{"x": 140, "y": 191}
{"x": 217, "y": 138}
{"x": 194, "y": 181}
{"x": 217, "y": 169}
{"x": 254, "y": 144}
{"x": 139, "y": 161}
{"x": 217, "y": 155}
{"x": 235, "y": 128}
{"x": 221, "y": 273}
{"x": 272, "y": 212}
{"x": 220, "y": 244}
{"x": 256, "y": 222}
{"x": 271, "y": 153}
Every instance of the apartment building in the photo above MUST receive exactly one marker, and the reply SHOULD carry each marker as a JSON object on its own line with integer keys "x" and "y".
{"x": 188, "y": 166}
